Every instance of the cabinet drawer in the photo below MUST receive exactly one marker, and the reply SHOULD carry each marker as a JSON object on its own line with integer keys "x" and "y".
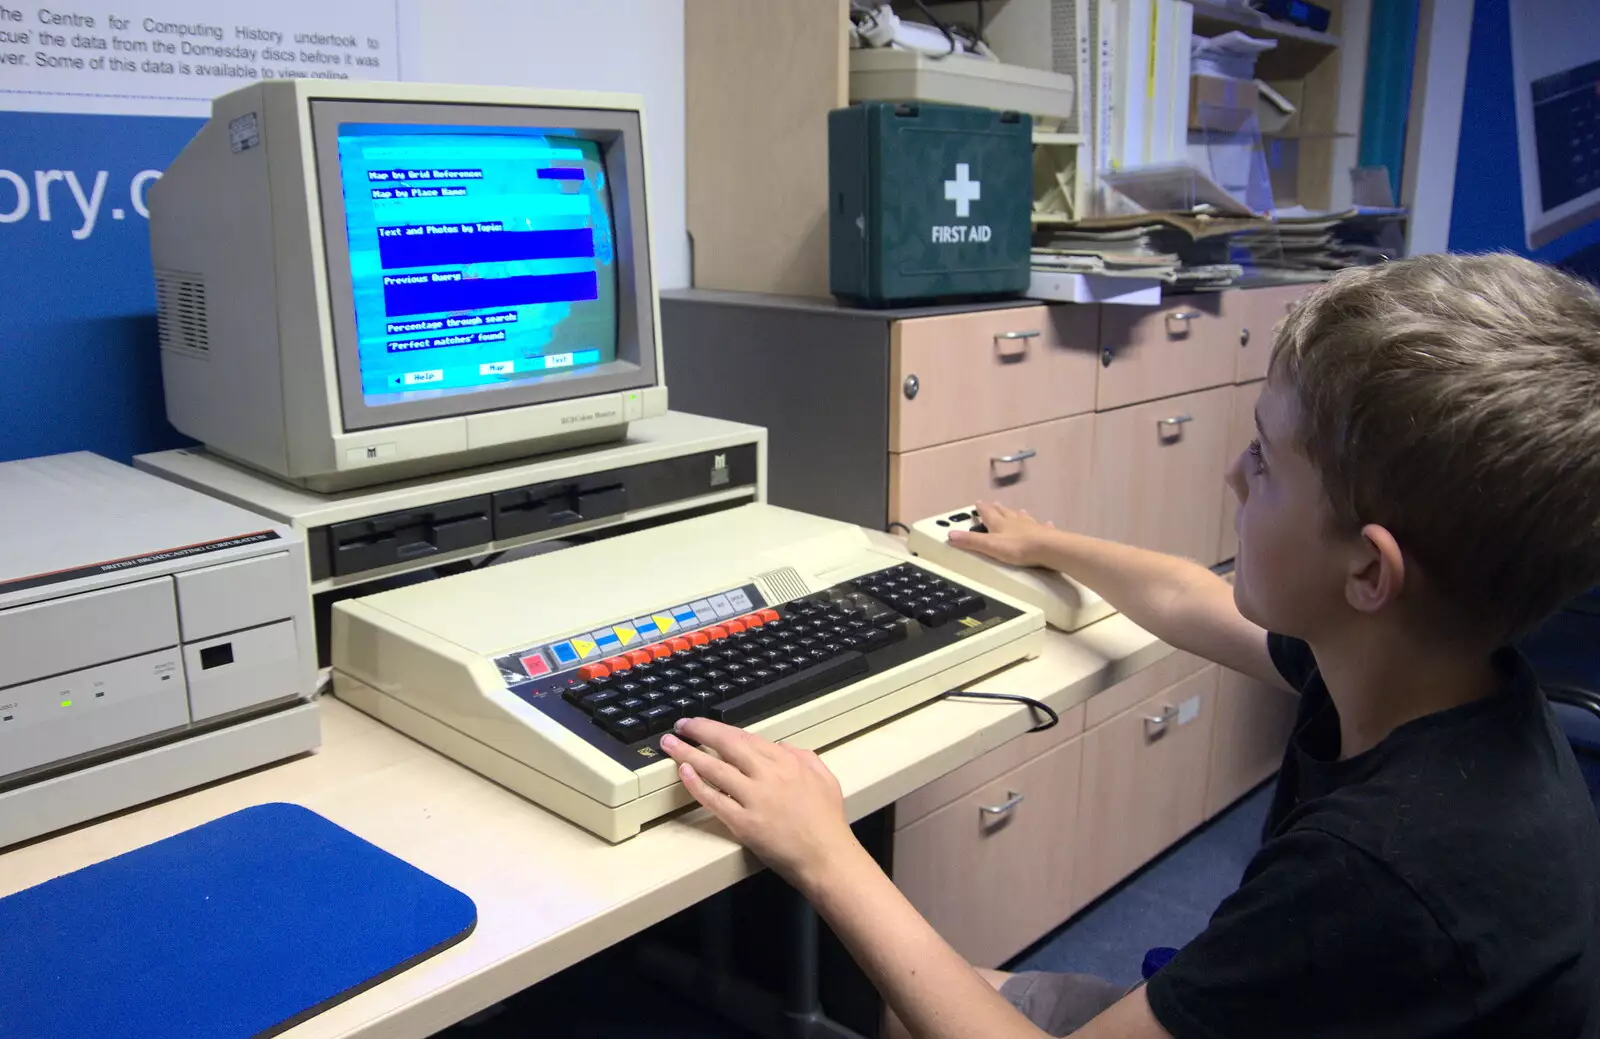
{"x": 1241, "y": 430}
{"x": 1254, "y": 722}
{"x": 1185, "y": 344}
{"x": 1044, "y": 468}
{"x": 1158, "y": 471}
{"x": 991, "y": 882}
{"x": 930, "y": 797}
{"x": 1143, "y": 783}
{"x": 1254, "y": 314}
{"x": 983, "y": 372}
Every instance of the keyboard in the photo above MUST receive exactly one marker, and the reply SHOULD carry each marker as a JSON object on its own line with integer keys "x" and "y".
{"x": 745, "y": 668}
{"x": 816, "y": 634}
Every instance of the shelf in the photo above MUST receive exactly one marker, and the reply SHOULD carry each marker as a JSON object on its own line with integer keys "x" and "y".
{"x": 1299, "y": 49}
{"x": 1302, "y": 135}
{"x": 1292, "y": 135}
{"x": 1048, "y": 137}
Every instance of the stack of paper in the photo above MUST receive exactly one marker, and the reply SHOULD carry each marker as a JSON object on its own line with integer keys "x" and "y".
{"x": 1229, "y": 56}
{"x": 1149, "y": 247}
{"x": 1374, "y": 234}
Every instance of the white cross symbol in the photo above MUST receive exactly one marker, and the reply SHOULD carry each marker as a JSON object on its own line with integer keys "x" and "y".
{"x": 962, "y": 192}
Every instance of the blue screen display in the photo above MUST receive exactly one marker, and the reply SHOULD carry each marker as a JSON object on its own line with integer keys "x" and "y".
{"x": 479, "y": 258}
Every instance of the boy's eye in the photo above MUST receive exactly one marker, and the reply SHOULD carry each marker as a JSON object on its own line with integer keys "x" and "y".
{"x": 1256, "y": 456}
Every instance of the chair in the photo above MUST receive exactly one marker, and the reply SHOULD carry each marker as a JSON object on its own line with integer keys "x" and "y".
{"x": 1565, "y": 653}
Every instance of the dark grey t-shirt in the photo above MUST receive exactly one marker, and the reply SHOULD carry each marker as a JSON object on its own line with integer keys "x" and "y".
{"x": 1444, "y": 883}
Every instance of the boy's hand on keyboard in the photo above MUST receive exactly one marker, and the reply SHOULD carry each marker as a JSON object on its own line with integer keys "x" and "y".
{"x": 1011, "y": 535}
{"x": 781, "y": 802}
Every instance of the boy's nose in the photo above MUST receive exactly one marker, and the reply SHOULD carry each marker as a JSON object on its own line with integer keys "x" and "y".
{"x": 1234, "y": 477}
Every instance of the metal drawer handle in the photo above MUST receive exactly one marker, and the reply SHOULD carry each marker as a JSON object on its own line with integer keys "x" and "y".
{"x": 1020, "y": 456}
{"x": 1020, "y": 349}
{"x": 1172, "y": 428}
{"x": 1186, "y": 316}
{"x": 1156, "y": 724}
{"x": 1012, "y": 800}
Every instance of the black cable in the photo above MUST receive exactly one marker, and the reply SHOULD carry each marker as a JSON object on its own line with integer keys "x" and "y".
{"x": 1051, "y": 717}
{"x": 981, "y": 23}
{"x": 937, "y": 24}
{"x": 902, "y": 526}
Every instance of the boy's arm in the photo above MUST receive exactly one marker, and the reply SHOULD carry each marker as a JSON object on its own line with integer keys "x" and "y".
{"x": 1178, "y": 601}
{"x": 935, "y": 993}
{"x": 785, "y": 805}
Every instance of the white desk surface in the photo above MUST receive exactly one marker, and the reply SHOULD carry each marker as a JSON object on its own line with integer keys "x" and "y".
{"x": 549, "y": 894}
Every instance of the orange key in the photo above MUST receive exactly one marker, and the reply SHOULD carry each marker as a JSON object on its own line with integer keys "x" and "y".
{"x": 659, "y": 651}
{"x": 590, "y": 672}
{"x": 699, "y": 638}
{"x": 679, "y": 644}
{"x": 768, "y": 616}
{"x": 717, "y": 631}
{"x": 735, "y": 626}
{"x": 640, "y": 656}
{"x": 619, "y": 663}
{"x": 752, "y": 620}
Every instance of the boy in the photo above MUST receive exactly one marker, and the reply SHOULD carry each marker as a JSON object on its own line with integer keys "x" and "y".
{"x": 1424, "y": 488}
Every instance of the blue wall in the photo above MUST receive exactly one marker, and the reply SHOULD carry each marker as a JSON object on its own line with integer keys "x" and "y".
{"x": 81, "y": 369}
{"x": 1487, "y": 210}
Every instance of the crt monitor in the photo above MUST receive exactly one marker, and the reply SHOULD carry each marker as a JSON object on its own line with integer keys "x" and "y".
{"x": 361, "y": 282}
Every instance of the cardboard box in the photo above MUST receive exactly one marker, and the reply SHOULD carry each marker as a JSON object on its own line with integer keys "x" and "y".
{"x": 1221, "y": 105}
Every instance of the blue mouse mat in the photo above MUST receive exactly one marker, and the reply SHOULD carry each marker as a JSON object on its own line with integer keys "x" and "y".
{"x": 242, "y": 927}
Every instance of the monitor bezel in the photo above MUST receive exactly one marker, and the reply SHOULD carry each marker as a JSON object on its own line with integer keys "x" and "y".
{"x": 618, "y": 133}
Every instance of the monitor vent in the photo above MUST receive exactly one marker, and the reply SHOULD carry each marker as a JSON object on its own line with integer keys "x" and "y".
{"x": 782, "y": 585}
{"x": 181, "y": 313}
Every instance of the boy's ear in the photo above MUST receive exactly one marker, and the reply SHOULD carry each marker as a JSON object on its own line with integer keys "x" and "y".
{"x": 1377, "y": 570}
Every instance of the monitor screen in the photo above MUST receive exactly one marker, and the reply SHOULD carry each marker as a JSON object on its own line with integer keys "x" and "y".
{"x": 477, "y": 257}
{"x": 482, "y": 257}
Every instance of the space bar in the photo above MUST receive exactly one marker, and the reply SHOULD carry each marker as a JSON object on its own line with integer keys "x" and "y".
{"x": 771, "y": 698}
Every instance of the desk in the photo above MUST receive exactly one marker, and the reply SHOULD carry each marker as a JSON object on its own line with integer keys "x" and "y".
{"x": 548, "y": 893}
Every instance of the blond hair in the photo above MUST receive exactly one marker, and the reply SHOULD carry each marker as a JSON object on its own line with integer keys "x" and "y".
{"x": 1455, "y": 400}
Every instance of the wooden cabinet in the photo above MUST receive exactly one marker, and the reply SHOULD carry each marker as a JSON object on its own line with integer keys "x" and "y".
{"x": 964, "y": 375}
{"x": 760, "y": 77}
{"x": 1140, "y": 787}
{"x": 1043, "y": 468}
{"x": 1241, "y": 430}
{"x": 1253, "y": 318}
{"x": 1148, "y": 760}
{"x": 1253, "y": 724}
{"x": 1158, "y": 471}
{"x": 992, "y": 871}
{"x": 1184, "y": 344}
{"x": 888, "y": 416}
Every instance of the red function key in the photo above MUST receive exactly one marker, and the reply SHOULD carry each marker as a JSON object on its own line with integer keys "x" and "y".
{"x": 640, "y": 656}
{"x": 717, "y": 631}
{"x": 769, "y": 615}
{"x": 699, "y": 638}
{"x": 659, "y": 651}
{"x": 679, "y": 644}
{"x": 735, "y": 626}
{"x": 619, "y": 663}
{"x": 590, "y": 672}
{"x": 752, "y": 620}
